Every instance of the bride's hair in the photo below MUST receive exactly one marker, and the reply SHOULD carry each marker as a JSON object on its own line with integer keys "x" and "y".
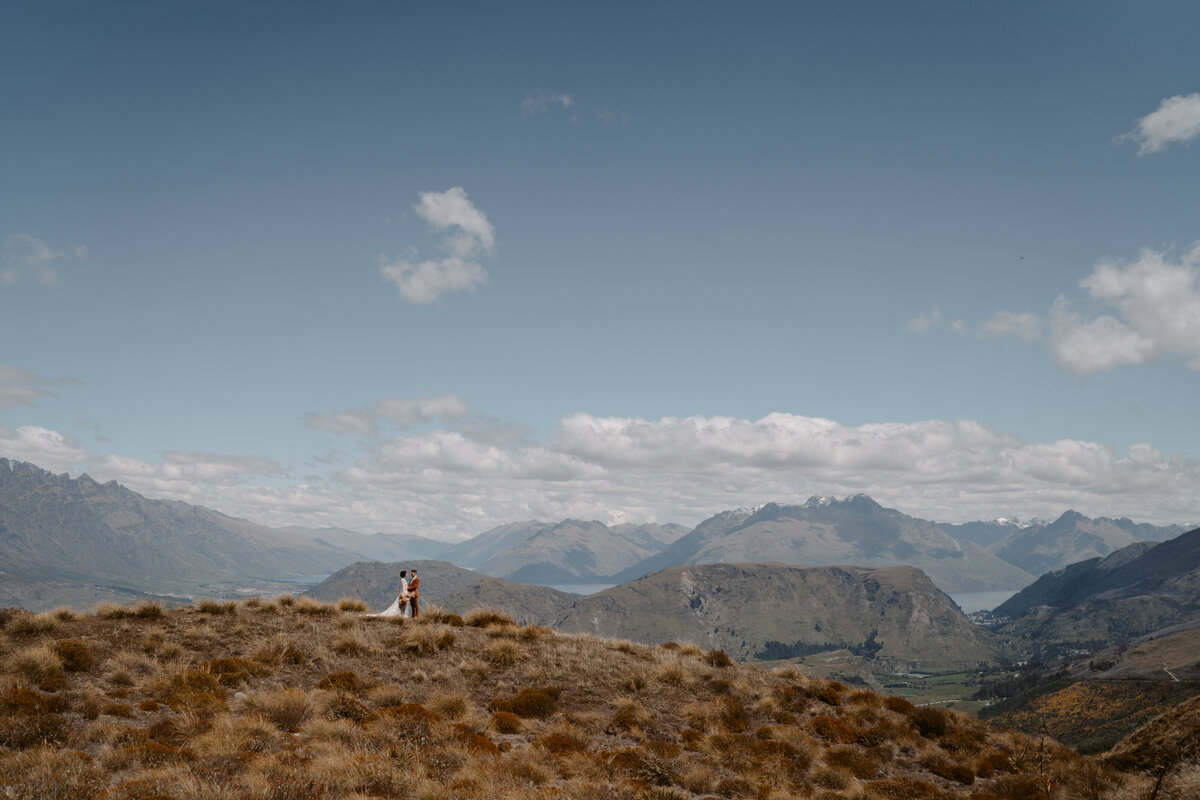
{"x": 403, "y": 572}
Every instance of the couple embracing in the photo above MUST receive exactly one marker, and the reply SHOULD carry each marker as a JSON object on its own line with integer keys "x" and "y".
{"x": 405, "y": 604}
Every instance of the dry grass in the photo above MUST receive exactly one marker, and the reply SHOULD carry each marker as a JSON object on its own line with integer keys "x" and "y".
{"x": 296, "y": 700}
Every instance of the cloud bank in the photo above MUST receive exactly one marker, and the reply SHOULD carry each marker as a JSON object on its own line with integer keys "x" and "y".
{"x": 449, "y": 482}
{"x": 466, "y": 235}
{"x": 1177, "y": 121}
{"x": 1136, "y": 312}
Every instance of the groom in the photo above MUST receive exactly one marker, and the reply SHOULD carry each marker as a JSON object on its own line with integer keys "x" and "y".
{"x": 412, "y": 590}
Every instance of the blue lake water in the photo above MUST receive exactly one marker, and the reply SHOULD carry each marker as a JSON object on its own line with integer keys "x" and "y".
{"x": 980, "y": 601}
{"x": 580, "y": 588}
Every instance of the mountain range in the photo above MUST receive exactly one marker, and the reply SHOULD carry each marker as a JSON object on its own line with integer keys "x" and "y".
{"x": 75, "y": 541}
{"x": 855, "y": 531}
{"x": 1134, "y": 591}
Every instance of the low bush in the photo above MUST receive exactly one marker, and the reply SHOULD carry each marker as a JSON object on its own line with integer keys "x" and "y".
{"x": 534, "y": 703}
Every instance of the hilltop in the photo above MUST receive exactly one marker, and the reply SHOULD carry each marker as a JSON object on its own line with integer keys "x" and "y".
{"x": 293, "y": 699}
{"x": 894, "y": 616}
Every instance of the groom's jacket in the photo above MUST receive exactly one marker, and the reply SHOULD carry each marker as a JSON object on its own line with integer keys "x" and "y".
{"x": 412, "y": 587}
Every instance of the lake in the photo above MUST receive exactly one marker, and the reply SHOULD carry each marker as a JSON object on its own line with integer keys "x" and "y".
{"x": 980, "y": 601}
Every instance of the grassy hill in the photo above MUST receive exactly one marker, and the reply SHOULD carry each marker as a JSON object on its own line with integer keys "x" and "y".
{"x": 294, "y": 699}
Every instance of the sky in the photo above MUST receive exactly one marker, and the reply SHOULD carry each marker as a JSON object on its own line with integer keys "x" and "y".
{"x": 432, "y": 268}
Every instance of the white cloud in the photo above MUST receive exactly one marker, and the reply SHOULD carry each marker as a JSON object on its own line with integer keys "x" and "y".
{"x": 48, "y": 449}
{"x": 406, "y": 412}
{"x": 1177, "y": 121}
{"x": 446, "y": 483}
{"x": 467, "y": 235}
{"x": 1138, "y": 312}
{"x": 451, "y": 483}
{"x": 24, "y": 256}
{"x": 540, "y": 101}
{"x": 924, "y": 321}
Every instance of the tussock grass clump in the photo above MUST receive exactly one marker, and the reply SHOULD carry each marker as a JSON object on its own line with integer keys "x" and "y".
{"x": 438, "y": 614}
{"x": 210, "y": 605}
{"x": 485, "y": 617}
{"x": 423, "y": 640}
{"x": 23, "y": 623}
{"x": 39, "y": 663}
{"x": 504, "y": 653}
{"x": 279, "y": 649}
{"x": 353, "y": 643}
{"x": 313, "y": 607}
{"x": 286, "y": 708}
{"x": 343, "y": 681}
{"x": 233, "y": 672}
{"x": 352, "y": 605}
{"x": 148, "y": 609}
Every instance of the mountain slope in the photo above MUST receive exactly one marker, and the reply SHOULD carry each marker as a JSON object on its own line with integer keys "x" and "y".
{"x": 1072, "y": 538}
{"x": 821, "y": 532}
{"x": 58, "y": 529}
{"x": 894, "y": 613}
{"x": 1132, "y": 592}
{"x": 570, "y": 551}
{"x": 373, "y": 546}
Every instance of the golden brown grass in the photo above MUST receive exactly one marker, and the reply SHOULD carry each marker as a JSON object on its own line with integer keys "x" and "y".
{"x": 297, "y": 700}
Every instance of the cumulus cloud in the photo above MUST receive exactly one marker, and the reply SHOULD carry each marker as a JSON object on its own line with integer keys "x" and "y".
{"x": 48, "y": 449}
{"x": 25, "y": 257}
{"x": 407, "y": 412}
{"x": 540, "y": 101}
{"x": 466, "y": 235}
{"x": 448, "y": 484}
{"x": 1132, "y": 312}
{"x": 1176, "y": 121}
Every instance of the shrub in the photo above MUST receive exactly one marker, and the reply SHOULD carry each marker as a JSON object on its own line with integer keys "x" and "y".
{"x": 931, "y": 722}
{"x": 852, "y": 760}
{"x": 830, "y": 694}
{"x": 505, "y": 722}
{"x": 899, "y": 705}
{"x": 901, "y": 789}
{"x": 474, "y": 741}
{"x": 831, "y": 729}
{"x": 536, "y": 703}
{"x": 718, "y": 658}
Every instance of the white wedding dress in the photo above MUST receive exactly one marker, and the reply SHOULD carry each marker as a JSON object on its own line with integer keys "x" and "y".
{"x": 396, "y": 610}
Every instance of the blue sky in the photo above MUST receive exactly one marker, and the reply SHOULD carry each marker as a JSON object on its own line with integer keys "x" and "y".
{"x": 432, "y": 268}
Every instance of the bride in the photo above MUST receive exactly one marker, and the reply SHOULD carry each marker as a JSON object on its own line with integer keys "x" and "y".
{"x": 400, "y": 607}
